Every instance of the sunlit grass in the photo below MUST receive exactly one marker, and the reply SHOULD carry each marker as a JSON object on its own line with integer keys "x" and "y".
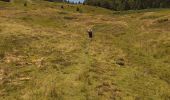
{"x": 45, "y": 53}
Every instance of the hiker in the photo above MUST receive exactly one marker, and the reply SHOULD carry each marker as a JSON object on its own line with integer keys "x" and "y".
{"x": 90, "y": 33}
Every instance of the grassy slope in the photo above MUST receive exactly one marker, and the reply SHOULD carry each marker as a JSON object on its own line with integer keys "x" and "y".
{"x": 45, "y": 53}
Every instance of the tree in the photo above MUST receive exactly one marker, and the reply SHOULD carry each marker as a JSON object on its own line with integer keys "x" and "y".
{"x": 129, "y": 4}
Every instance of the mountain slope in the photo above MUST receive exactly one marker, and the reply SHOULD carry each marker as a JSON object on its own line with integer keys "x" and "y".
{"x": 45, "y": 53}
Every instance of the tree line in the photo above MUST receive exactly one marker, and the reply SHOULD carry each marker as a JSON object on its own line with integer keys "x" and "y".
{"x": 129, "y": 4}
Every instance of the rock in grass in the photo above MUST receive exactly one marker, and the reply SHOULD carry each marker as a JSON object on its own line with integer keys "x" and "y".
{"x": 120, "y": 62}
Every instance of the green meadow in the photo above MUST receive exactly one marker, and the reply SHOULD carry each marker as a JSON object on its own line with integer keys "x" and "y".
{"x": 45, "y": 52}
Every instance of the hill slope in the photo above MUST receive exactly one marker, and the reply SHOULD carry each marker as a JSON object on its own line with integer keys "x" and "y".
{"x": 45, "y": 53}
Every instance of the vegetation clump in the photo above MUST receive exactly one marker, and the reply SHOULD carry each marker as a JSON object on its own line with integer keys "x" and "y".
{"x": 162, "y": 20}
{"x": 62, "y": 7}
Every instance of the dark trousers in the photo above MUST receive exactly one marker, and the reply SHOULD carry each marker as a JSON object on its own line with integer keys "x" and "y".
{"x": 90, "y": 34}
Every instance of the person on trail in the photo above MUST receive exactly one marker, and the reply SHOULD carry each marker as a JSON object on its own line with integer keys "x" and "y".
{"x": 90, "y": 33}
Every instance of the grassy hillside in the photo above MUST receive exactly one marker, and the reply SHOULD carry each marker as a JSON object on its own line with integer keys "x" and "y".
{"x": 45, "y": 53}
